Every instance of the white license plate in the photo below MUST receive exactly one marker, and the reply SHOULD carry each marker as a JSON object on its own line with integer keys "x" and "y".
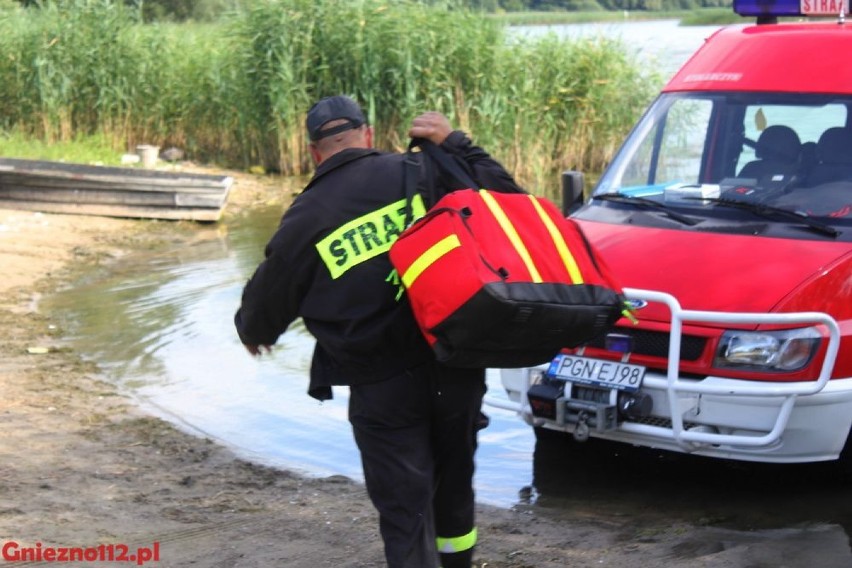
{"x": 597, "y": 372}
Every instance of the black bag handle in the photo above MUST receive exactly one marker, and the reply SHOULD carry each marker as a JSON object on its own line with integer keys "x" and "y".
{"x": 411, "y": 167}
{"x": 446, "y": 162}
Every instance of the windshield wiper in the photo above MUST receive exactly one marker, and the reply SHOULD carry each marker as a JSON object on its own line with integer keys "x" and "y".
{"x": 646, "y": 203}
{"x": 769, "y": 211}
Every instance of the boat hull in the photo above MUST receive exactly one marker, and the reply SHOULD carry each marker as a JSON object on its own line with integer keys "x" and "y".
{"x": 79, "y": 189}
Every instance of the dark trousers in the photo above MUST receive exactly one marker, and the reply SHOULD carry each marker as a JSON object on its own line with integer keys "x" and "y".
{"x": 417, "y": 436}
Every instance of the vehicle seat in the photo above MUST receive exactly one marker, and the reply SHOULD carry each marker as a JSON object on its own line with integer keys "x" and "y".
{"x": 777, "y": 151}
{"x": 834, "y": 157}
{"x": 808, "y": 157}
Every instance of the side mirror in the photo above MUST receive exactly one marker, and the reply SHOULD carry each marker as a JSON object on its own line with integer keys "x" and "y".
{"x": 572, "y": 191}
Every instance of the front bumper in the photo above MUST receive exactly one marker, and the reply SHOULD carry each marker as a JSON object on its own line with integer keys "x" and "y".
{"x": 717, "y": 417}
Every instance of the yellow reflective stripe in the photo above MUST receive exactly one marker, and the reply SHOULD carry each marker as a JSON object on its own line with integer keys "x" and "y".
{"x": 559, "y": 241}
{"x": 510, "y": 231}
{"x": 366, "y": 237}
{"x": 426, "y": 259}
{"x": 457, "y": 543}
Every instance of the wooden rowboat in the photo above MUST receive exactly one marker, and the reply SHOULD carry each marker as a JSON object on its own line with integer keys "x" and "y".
{"x": 80, "y": 189}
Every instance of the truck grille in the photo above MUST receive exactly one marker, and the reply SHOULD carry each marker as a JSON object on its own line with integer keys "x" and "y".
{"x": 662, "y": 422}
{"x": 656, "y": 344}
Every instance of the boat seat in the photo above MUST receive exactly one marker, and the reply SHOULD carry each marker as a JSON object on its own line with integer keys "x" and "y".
{"x": 834, "y": 157}
{"x": 778, "y": 151}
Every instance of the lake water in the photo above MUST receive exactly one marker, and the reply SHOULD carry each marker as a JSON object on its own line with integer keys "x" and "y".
{"x": 161, "y": 326}
{"x": 662, "y": 44}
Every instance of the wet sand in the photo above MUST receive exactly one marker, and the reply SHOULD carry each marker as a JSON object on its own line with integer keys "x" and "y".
{"x": 82, "y": 466}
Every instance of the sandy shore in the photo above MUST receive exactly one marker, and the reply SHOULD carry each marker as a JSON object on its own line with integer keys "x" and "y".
{"x": 81, "y": 466}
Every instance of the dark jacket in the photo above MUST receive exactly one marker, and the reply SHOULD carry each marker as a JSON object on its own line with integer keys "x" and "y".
{"x": 327, "y": 263}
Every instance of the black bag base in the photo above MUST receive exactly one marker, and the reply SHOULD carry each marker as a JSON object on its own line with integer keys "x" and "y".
{"x": 510, "y": 325}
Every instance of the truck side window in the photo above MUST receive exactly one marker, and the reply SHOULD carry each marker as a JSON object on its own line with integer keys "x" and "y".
{"x": 672, "y": 153}
{"x": 683, "y": 141}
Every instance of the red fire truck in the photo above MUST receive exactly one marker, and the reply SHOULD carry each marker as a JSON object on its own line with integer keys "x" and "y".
{"x": 727, "y": 217}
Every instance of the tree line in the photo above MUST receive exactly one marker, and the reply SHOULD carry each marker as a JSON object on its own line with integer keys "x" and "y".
{"x": 207, "y": 10}
{"x": 592, "y": 5}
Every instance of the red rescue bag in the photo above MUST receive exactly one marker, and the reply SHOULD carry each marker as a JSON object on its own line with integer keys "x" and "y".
{"x": 503, "y": 280}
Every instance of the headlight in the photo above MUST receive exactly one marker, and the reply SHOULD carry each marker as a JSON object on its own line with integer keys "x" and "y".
{"x": 785, "y": 350}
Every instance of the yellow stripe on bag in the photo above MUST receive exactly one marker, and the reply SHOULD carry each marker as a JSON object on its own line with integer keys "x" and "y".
{"x": 559, "y": 242}
{"x": 510, "y": 231}
{"x": 428, "y": 258}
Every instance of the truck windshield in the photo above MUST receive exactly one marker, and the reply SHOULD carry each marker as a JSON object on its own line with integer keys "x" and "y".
{"x": 786, "y": 151}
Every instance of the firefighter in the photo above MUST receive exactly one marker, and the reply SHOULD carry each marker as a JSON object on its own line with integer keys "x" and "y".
{"x": 414, "y": 420}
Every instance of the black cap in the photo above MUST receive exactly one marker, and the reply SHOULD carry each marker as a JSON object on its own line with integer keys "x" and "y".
{"x": 333, "y": 108}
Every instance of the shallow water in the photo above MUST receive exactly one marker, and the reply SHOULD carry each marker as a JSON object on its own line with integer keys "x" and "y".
{"x": 161, "y": 326}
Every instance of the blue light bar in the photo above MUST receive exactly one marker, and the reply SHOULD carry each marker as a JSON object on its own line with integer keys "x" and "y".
{"x": 777, "y": 8}
{"x": 768, "y": 7}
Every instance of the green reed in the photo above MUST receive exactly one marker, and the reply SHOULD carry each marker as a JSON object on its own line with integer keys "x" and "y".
{"x": 236, "y": 91}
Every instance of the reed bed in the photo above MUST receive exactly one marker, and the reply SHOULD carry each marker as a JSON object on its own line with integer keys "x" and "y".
{"x": 236, "y": 91}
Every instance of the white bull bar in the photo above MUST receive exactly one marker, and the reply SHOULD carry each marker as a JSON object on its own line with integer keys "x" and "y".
{"x": 674, "y": 385}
